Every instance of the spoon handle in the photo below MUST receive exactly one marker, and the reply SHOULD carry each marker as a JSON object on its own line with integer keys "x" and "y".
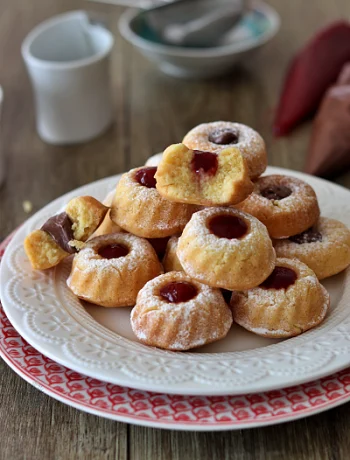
{"x": 143, "y": 4}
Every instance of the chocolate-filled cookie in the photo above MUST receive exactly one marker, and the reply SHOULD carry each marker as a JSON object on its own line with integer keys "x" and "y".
{"x": 325, "y": 247}
{"x": 63, "y": 233}
{"x": 286, "y": 205}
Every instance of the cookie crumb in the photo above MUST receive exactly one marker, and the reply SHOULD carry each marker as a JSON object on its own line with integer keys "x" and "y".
{"x": 77, "y": 244}
{"x": 27, "y": 206}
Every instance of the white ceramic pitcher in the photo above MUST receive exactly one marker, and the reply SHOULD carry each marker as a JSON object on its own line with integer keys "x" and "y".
{"x": 67, "y": 59}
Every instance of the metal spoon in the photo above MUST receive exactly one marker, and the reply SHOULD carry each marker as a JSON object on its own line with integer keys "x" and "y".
{"x": 194, "y": 23}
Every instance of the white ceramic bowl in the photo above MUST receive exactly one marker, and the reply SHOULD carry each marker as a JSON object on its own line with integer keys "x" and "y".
{"x": 199, "y": 62}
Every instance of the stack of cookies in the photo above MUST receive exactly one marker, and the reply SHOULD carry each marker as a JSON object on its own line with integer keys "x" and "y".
{"x": 234, "y": 246}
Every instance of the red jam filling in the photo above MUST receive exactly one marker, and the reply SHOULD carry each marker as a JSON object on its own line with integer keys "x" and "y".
{"x": 227, "y": 226}
{"x": 178, "y": 291}
{"x": 204, "y": 162}
{"x": 276, "y": 192}
{"x": 159, "y": 245}
{"x": 145, "y": 177}
{"x": 309, "y": 236}
{"x": 280, "y": 278}
{"x": 223, "y": 136}
{"x": 113, "y": 251}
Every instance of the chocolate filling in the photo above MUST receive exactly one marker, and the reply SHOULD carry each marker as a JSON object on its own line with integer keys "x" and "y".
{"x": 59, "y": 227}
{"x": 309, "y": 236}
{"x": 178, "y": 291}
{"x": 276, "y": 192}
{"x": 224, "y": 136}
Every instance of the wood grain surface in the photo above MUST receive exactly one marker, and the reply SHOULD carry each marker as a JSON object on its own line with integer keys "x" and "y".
{"x": 151, "y": 111}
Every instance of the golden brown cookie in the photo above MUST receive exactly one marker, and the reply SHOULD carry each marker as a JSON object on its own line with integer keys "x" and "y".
{"x": 325, "y": 247}
{"x": 63, "y": 233}
{"x": 218, "y": 135}
{"x": 286, "y": 205}
{"x": 289, "y": 302}
{"x": 226, "y": 248}
{"x": 203, "y": 178}
{"x": 42, "y": 250}
{"x": 86, "y": 214}
{"x": 138, "y": 208}
{"x": 176, "y": 313}
{"x": 111, "y": 269}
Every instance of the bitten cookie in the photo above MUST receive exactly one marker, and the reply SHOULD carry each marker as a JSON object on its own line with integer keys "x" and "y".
{"x": 226, "y": 248}
{"x": 63, "y": 233}
{"x": 218, "y": 135}
{"x": 289, "y": 302}
{"x": 176, "y": 313}
{"x": 203, "y": 178}
{"x": 286, "y": 205}
{"x": 325, "y": 247}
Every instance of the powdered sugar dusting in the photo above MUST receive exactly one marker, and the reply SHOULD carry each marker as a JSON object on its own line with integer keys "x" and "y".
{"x": 89, "y": 260}
{"x": 143, "y": 211}
{"x": 250, "y": 143}
{"x": 271, "y": 301}
{"x": 185, "y": 315}
{"x": 197, "y": 235}
{"x": 301, "y": 198}
{"x": 197, "y": 227}
{"x": 327, "y": 257}
{"x": 333, "y": 232}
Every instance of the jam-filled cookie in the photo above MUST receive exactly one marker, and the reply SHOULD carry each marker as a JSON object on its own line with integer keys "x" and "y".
{"x": 286, "y": 205}
{"x": 171, "y": 261}
{"x": 289, "y": 302}
{"x": 63, "y": 233}
{"x": 176, "y": 313}
{"x": 325, "y": 247}
{"x": 203, "y": 178}
{"x": 226, "y": 248}
{"x": 111, "y": 269}
{"x": 218, "y": 135}
{"x": 138, "y": 208}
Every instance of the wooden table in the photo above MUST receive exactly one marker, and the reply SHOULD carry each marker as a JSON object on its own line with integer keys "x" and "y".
{"x": 151, "y": 111}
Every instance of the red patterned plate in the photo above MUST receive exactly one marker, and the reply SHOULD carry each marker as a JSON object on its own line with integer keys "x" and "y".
{"x": 197, "y": 413}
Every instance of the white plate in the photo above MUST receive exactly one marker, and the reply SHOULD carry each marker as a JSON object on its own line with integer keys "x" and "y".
{"x": 99, "y": 342}
{"x": 195, "y": 413}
